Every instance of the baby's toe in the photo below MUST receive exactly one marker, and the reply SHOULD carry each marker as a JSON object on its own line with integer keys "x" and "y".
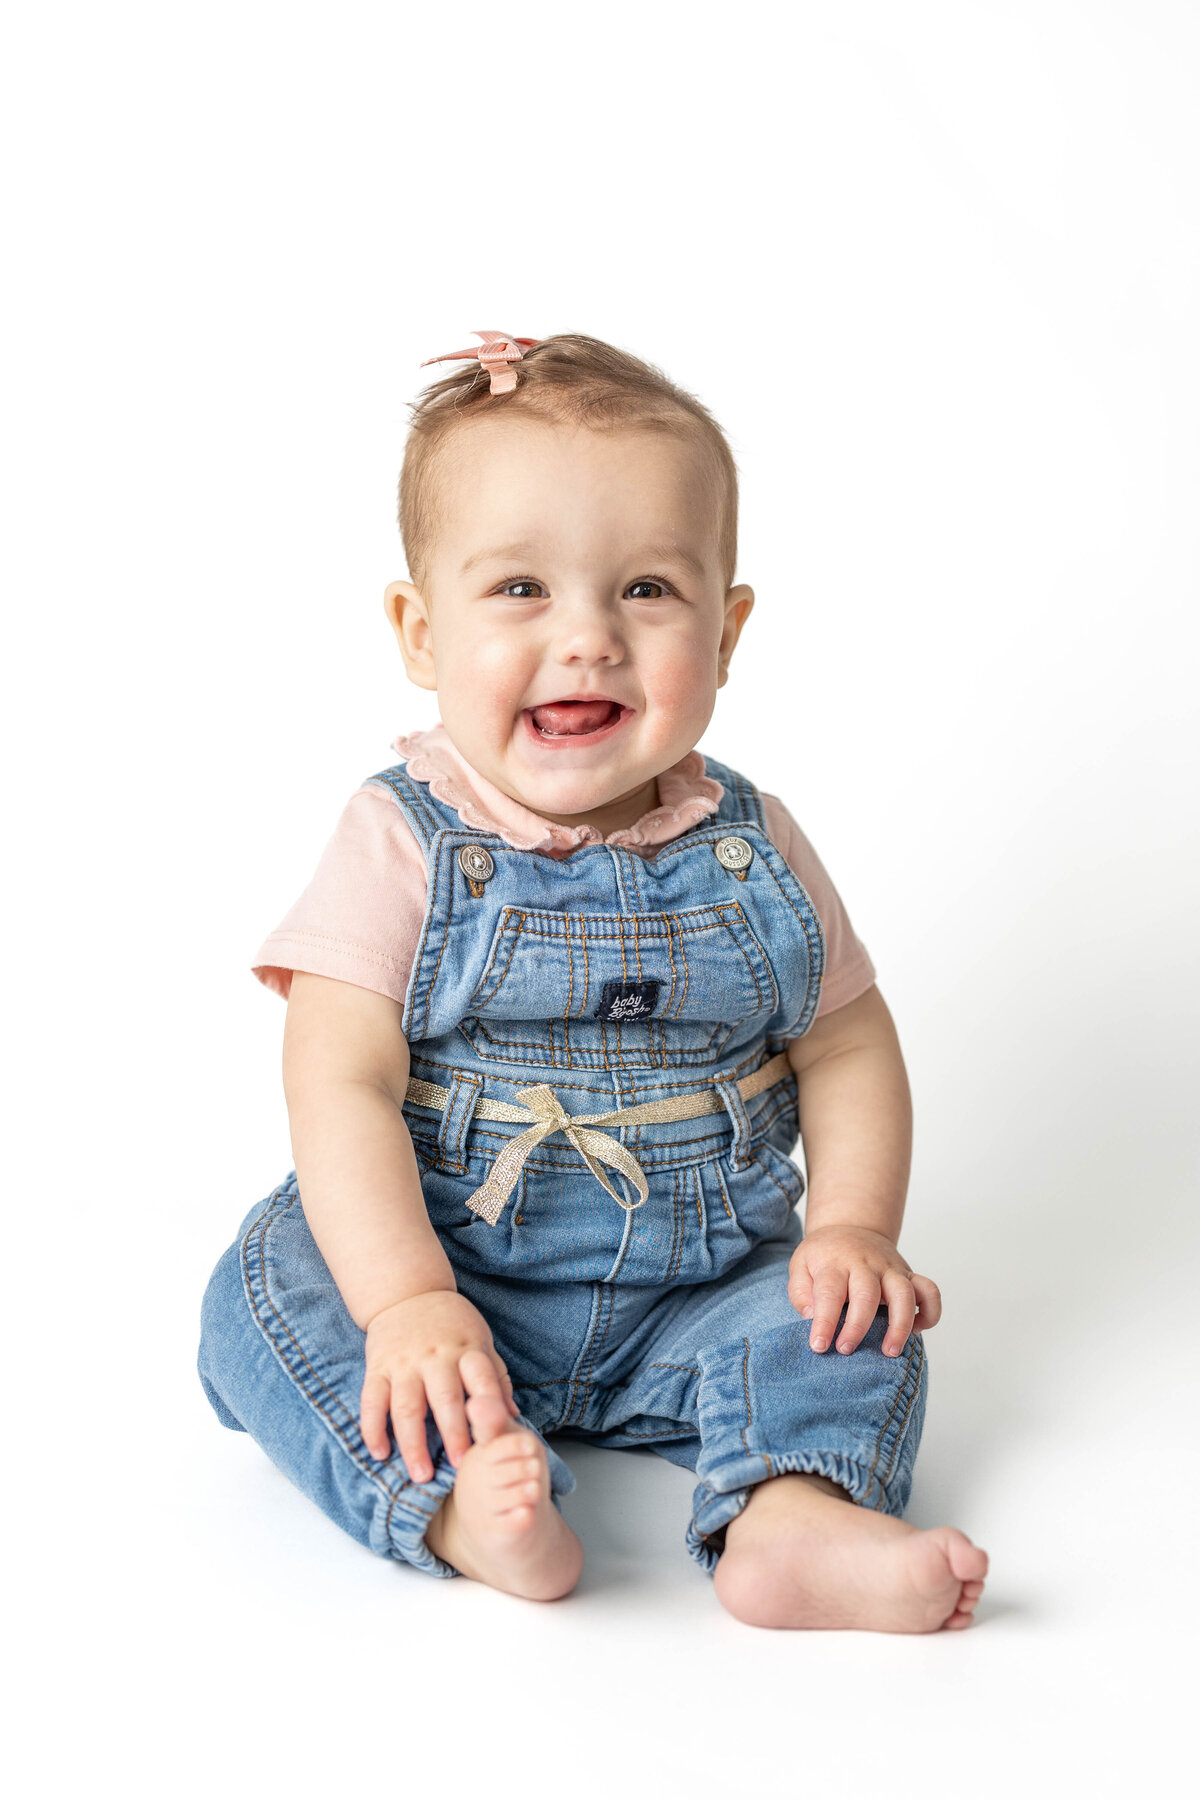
{"x": 967, "y": 1561}
{"x": 515, "y": 1446}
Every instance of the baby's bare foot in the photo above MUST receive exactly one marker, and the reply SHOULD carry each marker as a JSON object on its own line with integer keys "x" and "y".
{"x": 498, "y": 1524}
{"x": 802, "y": 1555}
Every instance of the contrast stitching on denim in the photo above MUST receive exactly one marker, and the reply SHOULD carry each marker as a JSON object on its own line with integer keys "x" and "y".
{"x": 442, "y": 951}
{"x": 655, "y": 1160}
{"x": 676, "y": 1247}
{"x": 464, "y": 1111}
{"x": 583, "y": 1371}
{"x": 420, "y": 800}
{"x": 567, "y": 1159}
{"x": 790, "y": 1198}
{"x": 688, "y": 1084}
{"x": 262, "y": 1225}
{"x": 676, "y": 1243}
{"x": 418, "y": 960}
{"x": 749, "y": 1411}
{"x": 520, "y": 916}
{"x": 586, "y": 978}
{"x": 901, "y": 1423}
{"x": 608, "y": 926}
{"x": 501, "y": 937}
{"x": 716, "y": 1168}
{"x": 414, "y": 809}
{"x": 816, "y": 950}
{"x": 570, "y": 981}
{"x": 686, "y": 1368}
{"x": 682, "y": 845}
{"x": 583, "y": 1087}
{"x": 624, "y": 982}
{"x": 748, "y": 798}
{"x": 652, "y": 1437}
{"x": 597, "y": 1345}
{"x": 754, "y": 978}
{"x": 686, "y": 977}
{"x": 575, "y": 1377}
{"x": 670, "y": 942}
{"x": 871, "y": 1476}
{"x": 598, "y": 1057}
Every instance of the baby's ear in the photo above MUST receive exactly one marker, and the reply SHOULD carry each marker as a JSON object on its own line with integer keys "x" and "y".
{"x": 738, "y": 602}
{"x": 409, "y": 617}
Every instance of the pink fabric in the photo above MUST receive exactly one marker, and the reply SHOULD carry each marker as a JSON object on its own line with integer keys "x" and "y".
{"x": 495, "y": 354}
{"x": 685, "y": 793}
{"x": 359, "y": 919}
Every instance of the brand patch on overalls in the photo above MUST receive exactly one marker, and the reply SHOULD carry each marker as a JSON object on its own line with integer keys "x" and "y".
{"x": 625, "y": 1001}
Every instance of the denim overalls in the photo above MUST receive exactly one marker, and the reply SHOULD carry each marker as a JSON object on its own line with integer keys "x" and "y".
{"x": 634, "y": 1275}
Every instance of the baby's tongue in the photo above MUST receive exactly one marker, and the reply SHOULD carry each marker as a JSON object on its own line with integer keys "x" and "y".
{"x": 571, "y": 718}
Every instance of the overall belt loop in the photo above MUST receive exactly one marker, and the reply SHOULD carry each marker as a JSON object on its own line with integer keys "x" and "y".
{"x": 735, "y": 1106}
{"x": 456, "y": 1122}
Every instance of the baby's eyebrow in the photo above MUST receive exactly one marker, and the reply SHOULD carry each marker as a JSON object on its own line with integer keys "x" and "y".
{"x": 505, "y": 553}
{"x": 649, "y": 552}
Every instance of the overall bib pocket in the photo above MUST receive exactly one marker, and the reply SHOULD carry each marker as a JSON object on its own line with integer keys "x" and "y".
{"x": 632, "y": 991}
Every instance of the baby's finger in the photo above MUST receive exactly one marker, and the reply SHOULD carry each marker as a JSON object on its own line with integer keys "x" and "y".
{"x": 829, "y": 1296}
{"x": 408, "y": 1423}
{"x": 373, "y": 1408}
{"x": 864, "y": 1304}
{"x": 902, "y": 1305}
{"x": 929, "y": 1298}
{"x": 447, "y": 1406}
{"x": 800, "y": 1289}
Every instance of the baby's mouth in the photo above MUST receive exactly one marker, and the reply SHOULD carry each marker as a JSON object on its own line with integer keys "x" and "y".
{"x": 574, "y": 718}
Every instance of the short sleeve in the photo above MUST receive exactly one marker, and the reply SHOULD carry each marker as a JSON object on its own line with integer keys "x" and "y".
{"x": 359, "y": 919}
{"x": 849, "y": 970}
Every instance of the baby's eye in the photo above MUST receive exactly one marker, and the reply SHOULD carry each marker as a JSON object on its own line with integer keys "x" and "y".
{"x": 520, "y": 582}
{"x": 649, "y": 582}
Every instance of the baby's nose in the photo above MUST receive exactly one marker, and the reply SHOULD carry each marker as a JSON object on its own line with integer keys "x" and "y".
{"x": 590, "y": 633}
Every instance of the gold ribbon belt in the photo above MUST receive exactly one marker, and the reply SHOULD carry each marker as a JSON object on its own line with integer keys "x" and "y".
{"x": 542, "y": 1105}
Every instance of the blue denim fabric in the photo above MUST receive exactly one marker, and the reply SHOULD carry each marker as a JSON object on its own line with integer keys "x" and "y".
{"x": 616, "y": 980}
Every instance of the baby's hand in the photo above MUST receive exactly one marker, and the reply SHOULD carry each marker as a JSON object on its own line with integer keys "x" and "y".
{"x": 413, "y": 1352}
{"x": 839, "y": 1262}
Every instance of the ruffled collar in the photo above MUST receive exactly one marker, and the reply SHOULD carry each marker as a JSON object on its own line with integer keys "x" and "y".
{"x": 686, "y": 795}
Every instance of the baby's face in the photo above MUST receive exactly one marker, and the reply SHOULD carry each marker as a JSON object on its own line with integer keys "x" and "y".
{"x": 574, "y": 619}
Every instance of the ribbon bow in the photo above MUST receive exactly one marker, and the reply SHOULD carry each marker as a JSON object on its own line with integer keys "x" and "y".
{"x": 490, "y": 1200}
{"x": 495, "y": 354}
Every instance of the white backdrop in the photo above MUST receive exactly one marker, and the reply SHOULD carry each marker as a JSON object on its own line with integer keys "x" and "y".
{"x": 936, "y": 269}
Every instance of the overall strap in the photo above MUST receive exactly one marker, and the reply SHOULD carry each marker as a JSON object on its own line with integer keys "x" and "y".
{"x": 741, "y": 802}
{"x": 415, "y": 802}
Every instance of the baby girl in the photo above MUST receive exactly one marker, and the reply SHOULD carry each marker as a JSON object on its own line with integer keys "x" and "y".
{"x": 562, "y": 995}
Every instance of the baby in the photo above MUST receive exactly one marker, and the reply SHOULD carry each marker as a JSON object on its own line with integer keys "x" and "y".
{"x": 561, "y": 997}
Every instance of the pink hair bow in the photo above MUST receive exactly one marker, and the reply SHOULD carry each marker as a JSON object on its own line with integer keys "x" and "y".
{"x": 495, "y": 354}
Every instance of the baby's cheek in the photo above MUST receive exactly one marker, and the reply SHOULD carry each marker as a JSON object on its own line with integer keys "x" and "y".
{"x": 683, "y": 690}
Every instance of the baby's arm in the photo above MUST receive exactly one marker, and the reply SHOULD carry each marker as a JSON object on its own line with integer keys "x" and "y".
{"x": 345, "y": 1072}
{"x": 856, "y": 1123}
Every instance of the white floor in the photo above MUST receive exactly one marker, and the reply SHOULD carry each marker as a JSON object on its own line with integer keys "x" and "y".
{"x": 201, "y": 1628}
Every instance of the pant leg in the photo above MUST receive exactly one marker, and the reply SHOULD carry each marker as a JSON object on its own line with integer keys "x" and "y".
{"x": 281, "y": 1358}
{"x": 731, "y": 1359}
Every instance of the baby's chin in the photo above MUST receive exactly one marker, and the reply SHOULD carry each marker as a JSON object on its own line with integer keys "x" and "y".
{"x": 562, "y": 793}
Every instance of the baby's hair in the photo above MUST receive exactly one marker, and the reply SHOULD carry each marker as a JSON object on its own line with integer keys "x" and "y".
{"x": 568, "y": 379}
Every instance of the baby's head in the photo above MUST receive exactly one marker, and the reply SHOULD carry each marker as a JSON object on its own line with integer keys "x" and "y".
{"x": 571, "y": 546}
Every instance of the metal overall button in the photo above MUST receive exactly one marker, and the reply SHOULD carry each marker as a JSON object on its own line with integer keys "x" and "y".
{"x": 477, "y": 865}
{"x": 734, "y": 854}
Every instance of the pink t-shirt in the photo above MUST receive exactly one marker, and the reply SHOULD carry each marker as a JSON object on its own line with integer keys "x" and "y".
{"x": 359, "y": 919}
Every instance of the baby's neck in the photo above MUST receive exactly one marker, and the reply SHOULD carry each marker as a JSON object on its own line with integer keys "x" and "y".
{"x": 614, "y": 815}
